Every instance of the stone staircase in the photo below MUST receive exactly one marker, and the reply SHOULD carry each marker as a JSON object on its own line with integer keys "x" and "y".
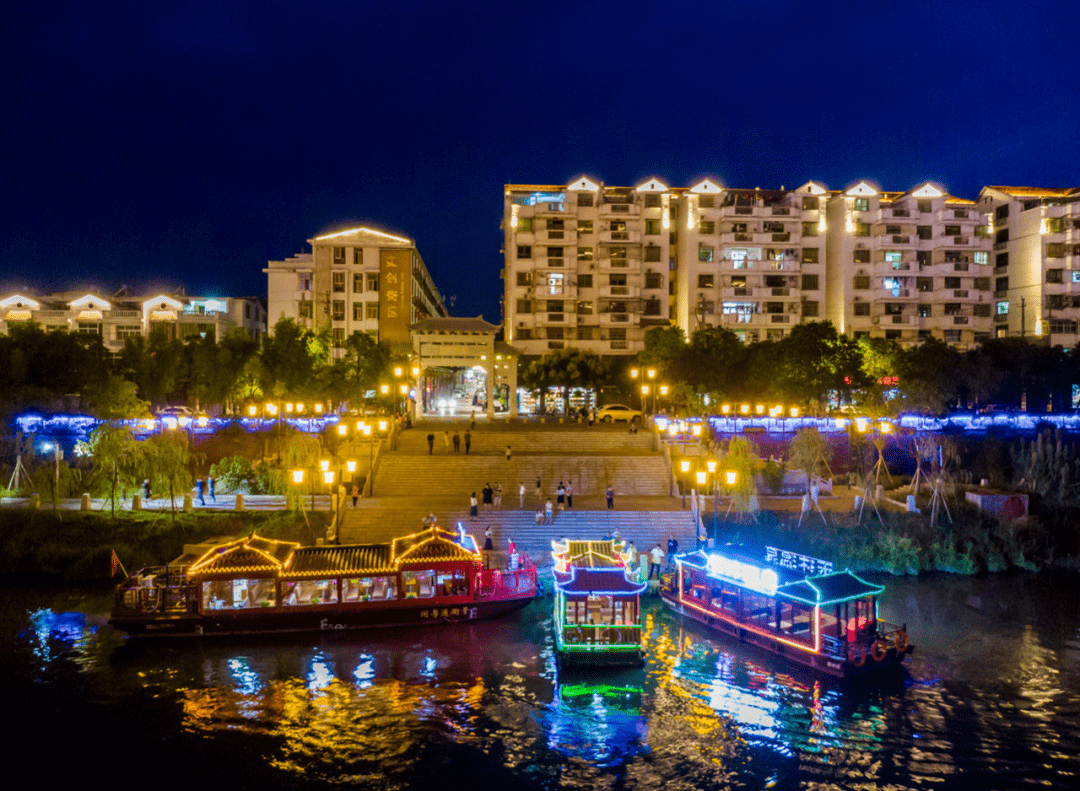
{"x": 538, "y": 438}
{"x": 403, "y": 474}
{"x": 644, "y": 528}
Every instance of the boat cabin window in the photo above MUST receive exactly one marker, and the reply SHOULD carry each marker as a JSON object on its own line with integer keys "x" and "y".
{"x": 309, "y": 592}
{"x": 237, "y": 594}
{"x": 757, "y": 608}
{"x": 795, "y": 620}
{"x": 418, "y": 584}
{"x": 452, "y": 583}
{"x": 369, "y": 589}
{"x": 600, "y": 610}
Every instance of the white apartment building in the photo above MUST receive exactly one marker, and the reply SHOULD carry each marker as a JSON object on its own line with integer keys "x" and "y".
{"x": 749, "y": 260}
{"x": 1036, "y": 258}
{"x": 360, "y": 279}
{"x": 908, "y": 265}
{"x": 586, "y": 265}
{"x": 123, "y": 315}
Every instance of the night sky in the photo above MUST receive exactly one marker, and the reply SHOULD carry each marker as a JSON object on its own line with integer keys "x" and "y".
{"x": 154, "y": 144}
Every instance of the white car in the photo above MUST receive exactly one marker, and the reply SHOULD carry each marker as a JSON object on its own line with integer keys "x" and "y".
{"x": 615, "y": 412}
{"x": 176, "y": 411}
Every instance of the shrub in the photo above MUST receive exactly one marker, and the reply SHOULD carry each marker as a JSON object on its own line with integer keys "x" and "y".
{"x": 234, "y": 475}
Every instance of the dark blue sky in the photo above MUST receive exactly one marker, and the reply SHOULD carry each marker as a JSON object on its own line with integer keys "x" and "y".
{"x": 155, "y": 143}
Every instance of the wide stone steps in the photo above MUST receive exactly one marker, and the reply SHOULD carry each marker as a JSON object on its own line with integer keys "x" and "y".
{"x": 402, "y": 475}
{"x": 581, "y": 439}
{"x": 644, "y": 528}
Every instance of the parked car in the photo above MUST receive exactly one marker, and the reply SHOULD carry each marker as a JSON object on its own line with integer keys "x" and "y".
{"x": 615, "y": 412}
{"x": 176, "y": 411}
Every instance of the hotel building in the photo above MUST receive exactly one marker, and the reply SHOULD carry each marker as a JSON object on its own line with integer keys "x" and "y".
{"x": 1036, "y": 259}
{"x": 123, "y": 315}
{"x": 357, "y": 280}
{"x": 906, "y": 266}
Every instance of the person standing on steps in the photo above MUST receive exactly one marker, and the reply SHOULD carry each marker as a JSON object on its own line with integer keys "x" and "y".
{"x": 446, "y": 441}
{"x": 457, "y": 442}
{"x": 355, "y": 494}
{"x": 498, "y": 496}
{"x": 508, "y": 454}
{"x": 472, "y": 505}
{"x": 672, "y": 548}
{"x": 656, "y": 556}
{"x": 488, "y": 545}
{"x": 521, "y": 495}
{"x": 560, "y": 496}
{"x": 569, "y": 493}
{"x": 468, "y": 442}
{"x": 430, "y": 444}
{"x": 549, "y": 514}
{"x": 539, "y": 492}
{"x": 487, "y": 494}
{"x": 610, "y": 499}
{"x": 472, "y": 421}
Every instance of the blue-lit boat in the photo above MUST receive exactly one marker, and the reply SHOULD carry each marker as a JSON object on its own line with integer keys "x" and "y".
{"x": 257, "y": 585}
{"x": 597, "y": 604}
{"x": 795, "y": 606}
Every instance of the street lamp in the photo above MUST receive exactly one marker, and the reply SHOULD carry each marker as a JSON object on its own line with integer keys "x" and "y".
{"x": 684, "y": 465}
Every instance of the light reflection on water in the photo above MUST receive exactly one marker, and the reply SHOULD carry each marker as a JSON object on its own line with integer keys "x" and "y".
{"x": 992, "y": 699}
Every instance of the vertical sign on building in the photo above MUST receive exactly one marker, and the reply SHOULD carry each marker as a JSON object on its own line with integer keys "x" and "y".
{"x": 395, "y": 274}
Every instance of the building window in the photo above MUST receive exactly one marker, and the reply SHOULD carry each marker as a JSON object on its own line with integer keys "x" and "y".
{"x": 862, "y": 229}
{"x": 1001, "y": 236}
{"x": 809, "y": 229}
{"x": 373, "y": 283}
{"x": 707, "y": 227}
{"x": 339, "y": 282}
{"x": 524, "y": 278}
{"x": 654, "y": 280}
{"x": 127, "y": 331}
{"x": 358, "y": 256}
{"x": 339, "y": 255}
{"x": 810, "y": 255}
{"x": 524, "y": 251}
{"x": 555, "y": 333}
{"x": 358, "y": 284}
{"x": 339, "y": 310}
{"x": 705, "y": 281}
{"x": 982, "y": 257}
{"x": 809, "y": 204}
{"x": 372, "y": 310}
{"x": 860, "y": 282}
{"x": 982, "y": 283}
{"x": 306, "y": 311}
{"x": 860, "y": 256}
{"x": 925, "y": 231}
{"x": 584, "y": 254}
{"x": 584, "y": 281}
{"x": 1001, "y": 259}
{"x": 339, "y": 337}
{"x": 924, "y": 284}
{"x": 952, "y": 336}
{"x": 652, "y": 227}
{"x": 585, "y": 199}
{"x": 705, "y": 253}
{"x": 652, "y": 253}
{"x": 809, "y": 282}
{"x": 525, "y": 225}
{"x": 861, "y": 308}
{"x": 953, "y": 309}
{"x": 584, "y": 226}
{"x": 862, "y": 204}
{"x": 810, "y": 309}
{"x": 617, "y": 334}
{"x": 585, "y": 308}
{"x": 652, "y": 201}
{"x": 358, "y": 311}
{"x": 524, "y": 306}
{"x": 952, "y": 282}
{"x": 1055, "y": 276}
{"x": 924, "y": 310}
{"x": 952, "y": 230}
{"x": 1055, "y": 250}
{"x": 584, "y": 333}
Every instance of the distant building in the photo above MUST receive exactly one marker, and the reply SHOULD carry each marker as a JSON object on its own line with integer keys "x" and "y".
{"x": 906, "y": 266}
{"x": 358, "y": 280}
{"x": 123, "y": 315}
{"x": 1036, "y": 259}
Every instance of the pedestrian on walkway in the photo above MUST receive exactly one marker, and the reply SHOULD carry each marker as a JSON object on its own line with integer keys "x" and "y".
{"x": 355, "y": 494}
{"x": 199, "y": 484}
{"x": 521, "y": 494}
{"x": 498, "y": 496}
{"x": 146, "y": 489}
{"x": 672, "y": 548}
{"x": 487, "y": 494}
{"x": 472, "y": 421}
{"x": 210, "y": 483}
{"x": 457, "y": 442}
{"x": 560, "y": 496}
{"x": 430, "y": 444}
{"x": 472, "y": 505}
{"x": 468, "y": 442}
{"x": 549, "y": 515}
{"x": 508, "y": 454}
{"x": 569, "y": 493}
{"x": 446, "y": 441}
{"x": 655, "y": 557}
{"x": 610, "y": 499}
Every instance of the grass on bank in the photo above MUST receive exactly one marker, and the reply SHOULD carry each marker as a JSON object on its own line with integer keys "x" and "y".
{"x": 78, "y": 546}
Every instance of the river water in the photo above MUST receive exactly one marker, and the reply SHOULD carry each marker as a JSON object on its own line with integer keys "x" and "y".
{"x": 990, "y": 700}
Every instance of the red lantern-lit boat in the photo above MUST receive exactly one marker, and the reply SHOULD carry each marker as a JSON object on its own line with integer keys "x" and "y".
{"x": 792, "y": 605}
{"x": 257, "y": 585}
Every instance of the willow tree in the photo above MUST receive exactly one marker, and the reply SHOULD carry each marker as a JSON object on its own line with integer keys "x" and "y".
{"x": 112, "y": 446}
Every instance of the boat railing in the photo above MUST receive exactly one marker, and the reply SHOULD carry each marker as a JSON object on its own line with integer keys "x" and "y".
{"x": 833, "y": 647}
{"x": 157, "y": 589}
{"x": 518, "y": 578}
{"x": 601, "y": 635}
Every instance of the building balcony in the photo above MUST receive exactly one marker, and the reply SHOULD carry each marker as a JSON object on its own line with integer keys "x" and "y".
{"x": 619, "y": 209}
{"x": 563, "y": 236}
{"x": 618, "y": 319}
{"x": 620, "y": 237}
{"x": 620, "y": 291}
{"x": 548, "y": 291}
{"x": 618, "y": 264}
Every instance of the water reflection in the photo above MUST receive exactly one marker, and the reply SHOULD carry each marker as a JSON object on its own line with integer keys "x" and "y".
{"x": 390, "y": 709}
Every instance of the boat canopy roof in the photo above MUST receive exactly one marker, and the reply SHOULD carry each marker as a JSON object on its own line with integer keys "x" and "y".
{"x": 588, "y": 554}
{"x": 597, "y": 581}
{"x": 829, "y": 589}
{"x": 264, "y": 557}
{"x": 249, "y": 555}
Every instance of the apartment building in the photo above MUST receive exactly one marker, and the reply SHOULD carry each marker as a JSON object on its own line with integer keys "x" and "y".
{"x": 749, "y": 260}
{"x": 908, "y": 265}
{"x": 360, "y": 279}
{"x": 124, "y": 315}
{"x": 1036, "y": 259}
{"x": 586, "y": 265}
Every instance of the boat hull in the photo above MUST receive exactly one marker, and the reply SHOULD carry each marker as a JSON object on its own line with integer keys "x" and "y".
{"x": 331, "y": 618}
{"x": 600, "y": 659}
{"x": 819, "y": 662}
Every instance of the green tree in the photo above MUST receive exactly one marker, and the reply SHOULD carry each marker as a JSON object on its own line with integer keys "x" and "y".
{"x": 366, "y": 362}
{"x": 167, "y": 457}
{"x": 115, "y": 398}
{"x": 113, "y": 449}
{"x": 930, "y": 375}
{"x": 288, "y": 361}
